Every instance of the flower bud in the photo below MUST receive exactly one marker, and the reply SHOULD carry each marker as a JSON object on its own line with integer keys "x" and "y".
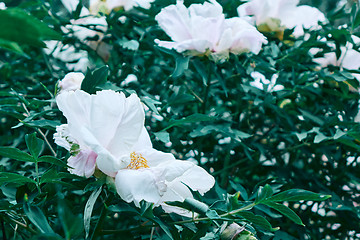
{"x": 71, "y": 82}
{"x": 236, "y": 232}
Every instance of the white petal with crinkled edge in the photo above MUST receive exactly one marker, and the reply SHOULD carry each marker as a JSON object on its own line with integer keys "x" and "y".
{"x": 61, "y": 135}
{"x": 142, "y": 184}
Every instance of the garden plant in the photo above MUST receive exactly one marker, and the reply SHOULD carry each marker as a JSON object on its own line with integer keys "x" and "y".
{"x": 165, "y": 119}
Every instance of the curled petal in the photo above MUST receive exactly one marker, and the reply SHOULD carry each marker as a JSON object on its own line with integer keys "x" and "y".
{"x": 83, "y": 164}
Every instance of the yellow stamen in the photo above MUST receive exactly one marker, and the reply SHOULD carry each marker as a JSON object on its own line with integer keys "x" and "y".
{"x": 137, "y": 161}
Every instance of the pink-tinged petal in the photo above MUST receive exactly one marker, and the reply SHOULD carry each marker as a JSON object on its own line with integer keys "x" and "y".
{"x": 143, "y": 184}
{"x": 83, "y": 164}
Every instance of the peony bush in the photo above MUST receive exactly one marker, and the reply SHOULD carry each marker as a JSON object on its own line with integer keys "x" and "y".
{"x": 162, "y": 119}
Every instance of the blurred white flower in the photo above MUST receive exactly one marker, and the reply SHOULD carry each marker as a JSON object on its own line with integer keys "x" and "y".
{"x": 75, "y": 59}
{"x": 91, "y": 31}
{"x": 264, "y": 84}
{"x": 108, "y": 129}
{"x": 202, "y": 29}
{"x": 106, "y": 6}
{"x": 71, "y": 82}
{"x": 349, "y": 58}
{"x": 129, "y": 79}
{"x": 2, "y": 6}
{"x": 276, "y": 15}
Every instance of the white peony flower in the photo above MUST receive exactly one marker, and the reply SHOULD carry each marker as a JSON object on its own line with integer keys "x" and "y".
{"x": 2, "y": 6}
{"x": 202, "y": 29}
{"x": 264, "y": 84}
{"x": 71, "y": 82}
{"x": 275, "y": 15}
{"x": 108, "y": 5}
{"x": 107, "y": 122}
{"x": 349, "y": 58}
{"x": 112, "y": 126}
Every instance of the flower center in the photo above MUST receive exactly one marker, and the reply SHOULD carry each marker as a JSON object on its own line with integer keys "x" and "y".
{"x": 137, "y": 161}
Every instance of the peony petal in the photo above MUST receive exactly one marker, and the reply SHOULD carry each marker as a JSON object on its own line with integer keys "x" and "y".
{"x": 62, "y": 136}
{"x": 83, "y": 164}
{"x": 153, "y": 156}
{"x": 175, "y": 21}
{"x": 128, "y": 131}
{"x": 197, "y": 179}
{"x": 137, "y": 185}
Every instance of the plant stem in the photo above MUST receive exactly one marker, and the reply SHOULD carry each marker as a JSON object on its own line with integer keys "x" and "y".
{"x": 247, "y": 207}
{"x": 37, "y": 176}
{"x": 40, "y": 132}
{"x": 22, "y": 225}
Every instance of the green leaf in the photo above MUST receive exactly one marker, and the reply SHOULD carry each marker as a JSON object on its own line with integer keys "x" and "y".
{"x": 94, "y": 79}
{"x": 197, "y": 117}
{"x": 52, "y": 160}
{"x": 263, "y": 193}
{"x": 16, "y": 154}
{"x": 297, "y": 195}
{"x": 12, "y": 46}
{"x": 182, "y": 63}
{"x": 71, "y": 224}
{"x": 257, "y": 220}
{"x": 37, "y": 217}
{"x": 287, "y": 212}
{"x": 163, "y": 136}
{"x": 150, "y": 102}
{"x": 89, "y": 208}
{"x": 163, "y": 226}
{"x": 20, "y": 27}
{"x": 42, "y": 123}
{"x": 34, "y": 144}
{"x": 312, "y": 117}
{"x": 13, "y": 177}
{"x": 212, "y": 214}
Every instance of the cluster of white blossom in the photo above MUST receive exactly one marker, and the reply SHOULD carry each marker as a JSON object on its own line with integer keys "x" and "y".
{"x": 202, "y": 29}
{"x": 105, "y": 132}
